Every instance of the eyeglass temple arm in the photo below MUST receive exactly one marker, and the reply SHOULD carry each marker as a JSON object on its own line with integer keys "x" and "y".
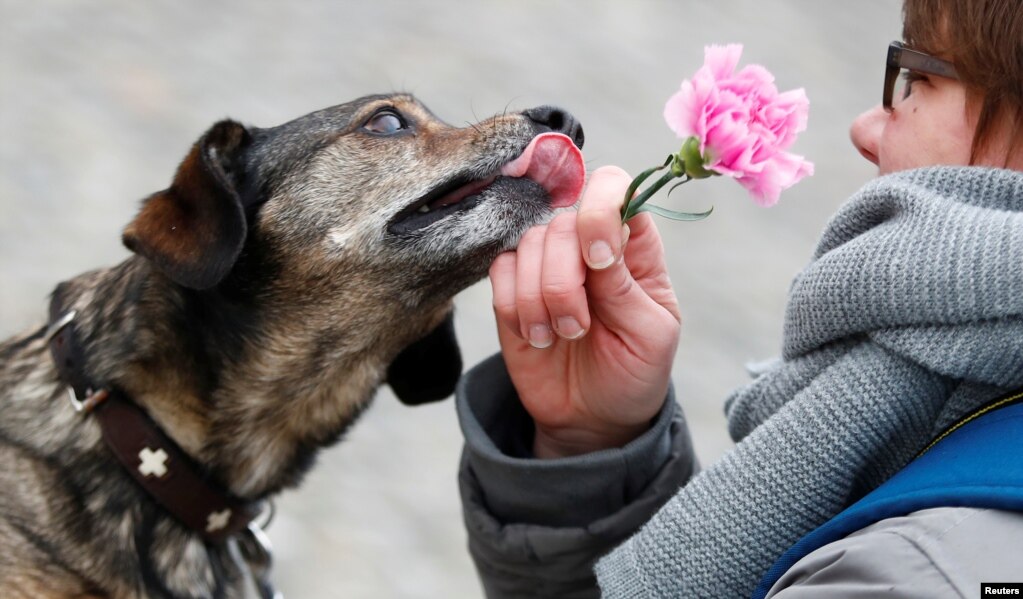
{"x": 905, "y": 58}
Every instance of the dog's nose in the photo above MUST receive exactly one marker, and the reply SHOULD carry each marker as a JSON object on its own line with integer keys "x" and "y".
{"x": 552, "y": 118}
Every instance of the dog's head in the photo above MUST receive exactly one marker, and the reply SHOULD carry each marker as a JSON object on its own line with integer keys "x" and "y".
{"x": 373, "y": 208}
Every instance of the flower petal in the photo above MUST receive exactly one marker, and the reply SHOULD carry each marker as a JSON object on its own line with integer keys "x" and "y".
{"x": 742, "y": 123}
{"x": 721, "y": 60}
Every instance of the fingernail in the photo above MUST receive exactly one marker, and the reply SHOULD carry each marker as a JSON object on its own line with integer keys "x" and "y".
{"x": 569, "y": 327}
{"x": 600, "y": 255}
{"x": 540, "y": 336}
{"x": 626, "y": 231}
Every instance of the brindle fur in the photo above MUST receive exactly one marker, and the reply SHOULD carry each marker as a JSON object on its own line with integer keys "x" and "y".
{"x": 260, "y": 313}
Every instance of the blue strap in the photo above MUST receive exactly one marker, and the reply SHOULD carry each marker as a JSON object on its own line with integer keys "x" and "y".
{"x": 979, "y": 464}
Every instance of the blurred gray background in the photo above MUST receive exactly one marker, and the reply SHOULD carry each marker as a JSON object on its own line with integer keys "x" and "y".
{"x": 100, "y": 100}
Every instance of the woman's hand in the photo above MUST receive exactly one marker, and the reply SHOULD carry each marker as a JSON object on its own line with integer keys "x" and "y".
{"x": 588, "y": 338}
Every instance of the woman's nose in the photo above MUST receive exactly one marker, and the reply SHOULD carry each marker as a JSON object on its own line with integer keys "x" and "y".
{"x": 866, "y": 130}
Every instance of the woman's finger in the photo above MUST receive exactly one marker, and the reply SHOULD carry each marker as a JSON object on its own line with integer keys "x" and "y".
{"x": 624, "y": 292}
{"x": 599, "y": 220}
{"x": 502, "y": 283}
{"x": 534, "y": 321}
{"x": 562, "y": 279}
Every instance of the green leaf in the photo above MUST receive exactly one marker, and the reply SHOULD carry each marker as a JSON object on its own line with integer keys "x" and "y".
{"x": 674, "y": 214}
{"x": 682, "y": 182}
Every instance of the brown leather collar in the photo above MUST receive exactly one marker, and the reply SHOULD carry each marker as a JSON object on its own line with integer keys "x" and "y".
{"x": 156, "y": 462}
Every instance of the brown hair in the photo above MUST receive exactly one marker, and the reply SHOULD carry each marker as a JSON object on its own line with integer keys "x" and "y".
{"x": 984, "y": 39}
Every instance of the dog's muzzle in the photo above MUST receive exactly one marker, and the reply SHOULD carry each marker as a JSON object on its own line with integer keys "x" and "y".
{"x": 552, "y": 160}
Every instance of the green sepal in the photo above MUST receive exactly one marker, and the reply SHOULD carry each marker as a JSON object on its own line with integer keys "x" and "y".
{"x": 690, "y": 154}
{"x": 678, "y": 165}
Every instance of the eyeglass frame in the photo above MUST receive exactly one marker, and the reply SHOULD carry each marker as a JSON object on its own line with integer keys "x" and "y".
{"x": 900, "y": 57}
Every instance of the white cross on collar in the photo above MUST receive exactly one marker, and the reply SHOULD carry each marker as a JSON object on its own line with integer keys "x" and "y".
{"x": 218, "y": 520}
{"x": 154, "y": 463}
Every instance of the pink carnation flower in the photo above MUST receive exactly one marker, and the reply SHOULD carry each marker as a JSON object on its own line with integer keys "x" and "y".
{"x": 742, "y": 123}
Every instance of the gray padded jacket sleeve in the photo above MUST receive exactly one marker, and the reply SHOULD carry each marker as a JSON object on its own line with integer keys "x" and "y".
{"x": 929, "y": 554}
{"x": 536, "y": 527}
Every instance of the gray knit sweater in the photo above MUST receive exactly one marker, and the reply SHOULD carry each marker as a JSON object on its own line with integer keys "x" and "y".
{"x": 909, "y": 315}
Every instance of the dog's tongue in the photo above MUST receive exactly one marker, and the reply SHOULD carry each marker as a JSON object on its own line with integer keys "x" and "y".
{"x": 553, "y": 161}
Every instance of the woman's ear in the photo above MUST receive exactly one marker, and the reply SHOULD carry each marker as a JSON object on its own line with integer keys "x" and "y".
{"x": 194, "y": 230}
{"x": 428, "y": 370}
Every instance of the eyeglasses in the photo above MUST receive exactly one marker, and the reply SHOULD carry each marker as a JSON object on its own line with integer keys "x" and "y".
{"x": 900, "y": 57}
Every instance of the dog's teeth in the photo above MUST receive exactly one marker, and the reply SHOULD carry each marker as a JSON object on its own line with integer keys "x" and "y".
{"x": 423, "y": 209}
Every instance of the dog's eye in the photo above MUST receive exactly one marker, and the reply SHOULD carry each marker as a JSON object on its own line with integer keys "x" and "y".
{"x": 385, "y": 123}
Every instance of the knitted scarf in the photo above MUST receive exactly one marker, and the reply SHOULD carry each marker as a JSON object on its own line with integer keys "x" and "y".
{"x": 909, "y": 315}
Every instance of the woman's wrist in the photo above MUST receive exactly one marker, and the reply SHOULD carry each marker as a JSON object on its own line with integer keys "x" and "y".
{"x": 553, "y": 443}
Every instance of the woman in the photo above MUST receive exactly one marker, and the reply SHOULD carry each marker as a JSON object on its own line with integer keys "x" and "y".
{"x": 908, "y": 318}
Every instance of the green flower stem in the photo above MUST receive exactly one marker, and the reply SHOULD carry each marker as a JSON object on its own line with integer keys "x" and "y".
{"x": 631, "y": 191}
{"x": 680, "y": 169}
{"x": 633, "y": 207}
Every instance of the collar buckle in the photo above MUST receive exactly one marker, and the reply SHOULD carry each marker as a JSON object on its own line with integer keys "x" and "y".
{"x": 56, "y": 337}
{"x": 59, "y": 324}
{"x": 87, "y": 405}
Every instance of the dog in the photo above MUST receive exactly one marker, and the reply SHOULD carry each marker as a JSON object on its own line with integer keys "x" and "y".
{"x": 284, "y": 275}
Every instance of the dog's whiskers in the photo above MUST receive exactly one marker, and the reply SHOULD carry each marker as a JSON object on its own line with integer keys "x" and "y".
{"x": 480, "y": 130}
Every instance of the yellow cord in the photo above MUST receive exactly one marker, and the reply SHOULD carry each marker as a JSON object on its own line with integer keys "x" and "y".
{"x": 970, "y": 418}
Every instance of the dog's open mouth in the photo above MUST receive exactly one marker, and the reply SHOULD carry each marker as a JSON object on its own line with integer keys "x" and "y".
{"x": 461, "y": 193}
{"x": 551, "y": 160}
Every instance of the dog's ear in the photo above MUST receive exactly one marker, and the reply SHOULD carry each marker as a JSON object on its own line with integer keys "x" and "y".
{"x": 427, "y": 370}
{"x": 194, "y": 230}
